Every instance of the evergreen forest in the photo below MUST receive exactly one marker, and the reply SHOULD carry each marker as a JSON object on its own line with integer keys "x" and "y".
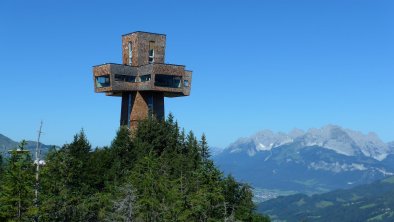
{"x": 156, "y": 173}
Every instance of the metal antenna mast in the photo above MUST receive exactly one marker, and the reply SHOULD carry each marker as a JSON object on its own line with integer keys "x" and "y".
{"x": 38, "y": 152}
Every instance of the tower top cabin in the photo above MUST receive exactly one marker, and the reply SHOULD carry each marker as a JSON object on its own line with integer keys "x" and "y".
{"x": 144, "y": 79}
{"x": 141, "y": 48}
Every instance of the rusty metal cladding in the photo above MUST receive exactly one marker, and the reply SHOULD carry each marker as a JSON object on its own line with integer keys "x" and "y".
{"x": 144, "y": 79}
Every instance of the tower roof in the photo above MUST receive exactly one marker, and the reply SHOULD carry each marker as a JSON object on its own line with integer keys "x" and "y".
{"x": 152, "y": 33}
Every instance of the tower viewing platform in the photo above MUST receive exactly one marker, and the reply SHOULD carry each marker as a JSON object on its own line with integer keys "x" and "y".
{"x": 143, "y": 80}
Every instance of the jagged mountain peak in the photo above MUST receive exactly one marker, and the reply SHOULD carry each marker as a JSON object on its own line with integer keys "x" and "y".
{"x": 296, "y": 133}
{"x": 263, "y": 140}
{"x": 343, "y": 141}
{"x": 331, "y": 137}
{"x": 370, "y": 144}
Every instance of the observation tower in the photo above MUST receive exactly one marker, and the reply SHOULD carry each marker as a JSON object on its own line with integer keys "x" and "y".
{"x": 143, "y": 79}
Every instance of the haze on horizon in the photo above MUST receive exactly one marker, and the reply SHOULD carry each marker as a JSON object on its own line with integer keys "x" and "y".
{"x": 256, "y": 65}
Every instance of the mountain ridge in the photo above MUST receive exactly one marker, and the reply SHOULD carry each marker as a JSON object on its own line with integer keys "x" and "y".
{"x": 7, "y": 144}
{"x": 312, "y": 161}
{"x": 343, "y": 141}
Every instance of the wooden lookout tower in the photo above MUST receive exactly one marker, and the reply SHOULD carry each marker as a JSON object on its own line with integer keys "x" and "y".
{"x": 144, "y": 79}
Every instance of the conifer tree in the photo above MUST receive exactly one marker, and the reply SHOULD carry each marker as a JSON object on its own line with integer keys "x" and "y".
{"x": 205, "y": 155}
{"x": 157, "y": 174}
{"x": 145, "y": 178}
{"x": 66, "y": 181}
{"x": 123, "y": 153}
{"x": 123, "y": 207}
{"x": 16, "y": 188}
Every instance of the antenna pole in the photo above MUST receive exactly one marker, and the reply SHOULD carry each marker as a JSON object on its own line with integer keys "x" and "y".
{"x": 38, "y": 152}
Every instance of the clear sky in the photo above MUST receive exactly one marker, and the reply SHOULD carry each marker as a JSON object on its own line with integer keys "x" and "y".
{"x": 264, "y": 64}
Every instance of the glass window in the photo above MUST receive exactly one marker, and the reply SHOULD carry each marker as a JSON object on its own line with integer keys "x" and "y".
{"x": 102, "y": 81}
{"x": 186, "y": 83}
{"x": 145, "y": 78}
{"x": 124, "y": 78}
{"x": 151, "y": 52}
{"x": 167, "y": 81}
{"x": 130, "y": 53}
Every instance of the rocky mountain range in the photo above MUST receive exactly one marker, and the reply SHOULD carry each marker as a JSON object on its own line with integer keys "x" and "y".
{"x": 312, "y": 161}
{"x": 342, "y": 141}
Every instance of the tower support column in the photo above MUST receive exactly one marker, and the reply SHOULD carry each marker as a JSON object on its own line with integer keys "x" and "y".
{"x": 140, "y": 105}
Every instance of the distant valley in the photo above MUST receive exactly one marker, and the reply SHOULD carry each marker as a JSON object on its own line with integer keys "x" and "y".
{"x": 309, "y": 162}
{"x": 372, "y": 202}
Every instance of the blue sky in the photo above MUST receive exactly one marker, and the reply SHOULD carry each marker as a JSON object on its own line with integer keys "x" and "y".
{"x": 273, "y": 64}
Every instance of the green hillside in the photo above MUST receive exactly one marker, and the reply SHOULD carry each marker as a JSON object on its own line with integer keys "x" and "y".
{"x": 7, "y": 144}
{"x": 372, "y": 202}
{"x": 160, "y": 173}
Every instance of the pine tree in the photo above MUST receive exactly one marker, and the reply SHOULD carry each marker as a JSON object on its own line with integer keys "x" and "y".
{"x": 16, "y": 191}
{"x": 145, "y": 178}
{"x": 123, "y": 154}
{"x": 205, "y": 155}
{"x": 157, "y": 174}
{"x": 123, "y": 208}
{"x": 66, "y": 181}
